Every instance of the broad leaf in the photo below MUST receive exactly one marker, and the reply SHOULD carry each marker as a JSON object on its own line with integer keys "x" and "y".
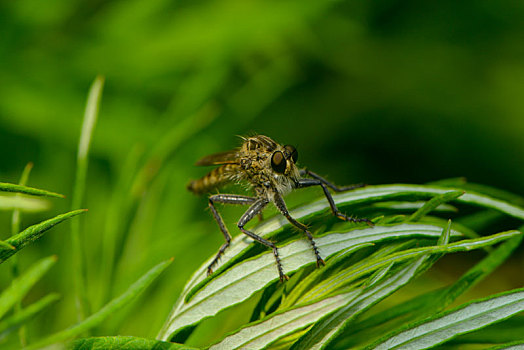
{"x": 463, "y": 319}
{"x": 125, "y": 343}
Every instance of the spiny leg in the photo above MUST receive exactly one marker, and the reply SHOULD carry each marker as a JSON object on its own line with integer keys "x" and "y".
{"x": 281, "y": 205}
{"x": 226, "y": 199}
{"x": 306, "y": 172}
{"x": 254, "y": 210}
{"x": 303, "y": 183}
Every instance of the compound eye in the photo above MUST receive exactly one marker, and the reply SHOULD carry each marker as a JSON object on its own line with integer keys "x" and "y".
{"x": 293, "y": 152}
{"x": 278, "y": 162}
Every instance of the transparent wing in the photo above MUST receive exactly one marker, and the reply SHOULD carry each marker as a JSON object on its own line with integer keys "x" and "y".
{"x": 228, "y": 157}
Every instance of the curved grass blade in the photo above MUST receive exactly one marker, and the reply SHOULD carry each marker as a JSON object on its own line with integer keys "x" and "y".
{"x": 33, "y": 233}
{"x": 7, "y": 187}
{"x": 124, "y": 343}
{"x": 370, "y": 194}
{"x": 110, "y": 308}
{"x": 21, "y": 285}
{"x": 15, "y": 228}
{"x": 433, "y": 203}
{"x": 463, "y": 319}
{"x": 26, "y": 314}
{"x": 86, "y": 134}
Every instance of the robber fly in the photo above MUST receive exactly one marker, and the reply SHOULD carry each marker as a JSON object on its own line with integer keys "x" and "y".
{"x": 271, "y": 170}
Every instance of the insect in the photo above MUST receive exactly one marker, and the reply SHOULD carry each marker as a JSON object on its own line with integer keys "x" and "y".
{"x": 270, "y": 169}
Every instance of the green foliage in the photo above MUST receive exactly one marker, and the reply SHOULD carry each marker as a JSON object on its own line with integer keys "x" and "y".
{"x": 328, "y": 307}
{"x": 125, "y": 343}
{"x": 375, "y": 92}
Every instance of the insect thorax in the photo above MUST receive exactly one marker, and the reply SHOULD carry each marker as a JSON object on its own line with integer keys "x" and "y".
{"x": 255, "y": 162}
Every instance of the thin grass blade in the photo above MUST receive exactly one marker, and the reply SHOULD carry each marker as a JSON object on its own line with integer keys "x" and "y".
{"x": 21, "y": 285}
{"x": 33, "y": 233}
{"x": 86, "y": 134}
{"x": 110, "y": 308}
{"x": 26, "y": 314}
{"x": 7, "y": 187}
{"x": 433, "y": 203}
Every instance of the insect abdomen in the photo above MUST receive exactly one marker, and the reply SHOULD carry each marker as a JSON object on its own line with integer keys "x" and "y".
{"x": 214, "y": 179}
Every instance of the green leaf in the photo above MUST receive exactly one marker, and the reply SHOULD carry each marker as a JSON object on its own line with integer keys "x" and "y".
{"x": 370, "y": 194}
{"x": 277, "y": 325}
{"x": 26, "y": 314}
{"x": 33, "y": 233}
{"x": 331, "y": 325}
{"x": 21, "y": 285}
{"x": 7, "y": 187}
{"x": 507, "y": 331}
{"x": 125, "y": 343}
{"x": 463, "y": 319}
{"x": 433, "y": 203}
{"x": 86, "y": 134}
{"x": 244, "y": 279}
{"x": 110, "y": 308}
{"x": 435, "y": 301}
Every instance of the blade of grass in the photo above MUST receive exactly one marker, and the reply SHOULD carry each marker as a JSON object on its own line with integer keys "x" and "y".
{"x": 88, "y": 125}
{"x": 7, "y": 187}
{"x": 463, "y": 319}
{"x": 15, "y": 228}
{"x": 33, "y": 233}
{"x": 106, "y": 311}
{"x": 433, "y": 203}
{"x": 26, "y": 314}
{"x": 21, "y": 285}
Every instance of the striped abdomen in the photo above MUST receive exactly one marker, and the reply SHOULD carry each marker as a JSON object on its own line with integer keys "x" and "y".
{"x": 214, "y": 179}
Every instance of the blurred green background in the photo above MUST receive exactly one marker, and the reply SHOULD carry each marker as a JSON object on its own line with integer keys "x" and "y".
{"x": 375, "y": 92}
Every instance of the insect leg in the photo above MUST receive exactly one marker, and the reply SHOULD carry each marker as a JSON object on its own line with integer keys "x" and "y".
{"x": 226, "y": 199}
{"x": 254, "y": 210}
{"x": 302, "y": 183}
{"x": 306, "y": 172}
{"x": 281, "y": 205}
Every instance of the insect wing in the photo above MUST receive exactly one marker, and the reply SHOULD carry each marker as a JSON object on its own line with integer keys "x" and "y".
{"x": 228, "y": 157}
